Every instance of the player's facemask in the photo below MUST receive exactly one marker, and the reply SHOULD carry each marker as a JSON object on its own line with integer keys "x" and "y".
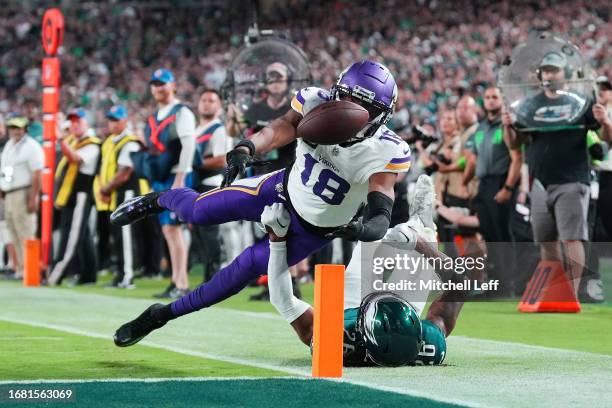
{"x": 379, "y": 112}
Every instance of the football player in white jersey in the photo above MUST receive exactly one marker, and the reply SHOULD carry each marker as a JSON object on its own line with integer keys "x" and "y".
{"x": 323, "y": 191}
{"x": 407, "y": 339}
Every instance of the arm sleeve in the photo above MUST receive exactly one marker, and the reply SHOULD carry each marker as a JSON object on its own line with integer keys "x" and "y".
{"x": 219, "y": 142}
{"x": 185, "y": 128}
{"x": 37, "y": 159}
{"x": 125, "y": 159}
{"x": 279, "y": 284}
{"x": 89, "y": 154}
{"x": 470, "y": 144}
{"x": 378, "y": 218}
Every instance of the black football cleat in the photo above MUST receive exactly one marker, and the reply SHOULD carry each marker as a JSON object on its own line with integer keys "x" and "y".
{"x": 134, "y": 331}
{"x": 136, "y": 209}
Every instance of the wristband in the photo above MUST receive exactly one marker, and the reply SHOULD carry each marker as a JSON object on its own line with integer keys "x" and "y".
{"x": 248, "y": 144}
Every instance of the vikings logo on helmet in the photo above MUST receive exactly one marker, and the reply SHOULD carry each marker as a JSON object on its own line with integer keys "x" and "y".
{"x": 372, "y": 83}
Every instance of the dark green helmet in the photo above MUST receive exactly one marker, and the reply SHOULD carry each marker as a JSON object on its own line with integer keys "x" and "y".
{"x": 390, "y": 329}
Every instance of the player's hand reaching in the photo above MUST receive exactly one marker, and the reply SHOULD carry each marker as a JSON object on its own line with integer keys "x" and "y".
{"x": 276, "y": 220}
{"x": 238, "y": 159}
{"x": 351, "y": 231}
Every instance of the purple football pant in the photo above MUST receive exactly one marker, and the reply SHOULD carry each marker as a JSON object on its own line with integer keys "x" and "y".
{"x": 243, "y": 200}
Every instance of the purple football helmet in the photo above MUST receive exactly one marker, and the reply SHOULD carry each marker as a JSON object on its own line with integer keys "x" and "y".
{"x": 372, "y": 83}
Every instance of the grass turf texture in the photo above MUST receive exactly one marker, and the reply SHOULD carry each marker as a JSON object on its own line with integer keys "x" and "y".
{"x": 30, "y": 353}
{"x": 590, "y": 330}
{"x": 544, "y": 376}
{"x": 243, "y": 338}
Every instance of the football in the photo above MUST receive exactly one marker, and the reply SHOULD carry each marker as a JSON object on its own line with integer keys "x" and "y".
{"x": 332, "y": 122}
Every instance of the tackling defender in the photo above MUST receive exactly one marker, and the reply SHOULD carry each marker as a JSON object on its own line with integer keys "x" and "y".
{"x": 382, "y": 329}
{"x": 323, "y": 189}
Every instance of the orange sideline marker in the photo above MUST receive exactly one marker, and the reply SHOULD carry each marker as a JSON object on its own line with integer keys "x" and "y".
{"x": 328, "y": 331}
{"x": 31, "y": 264}
{"x": 549, "y": 290}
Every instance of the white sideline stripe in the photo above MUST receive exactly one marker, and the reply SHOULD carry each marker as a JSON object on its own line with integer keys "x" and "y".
{"x": 148, "y": 380}
{"x": 226, "y": 359}
{"x": 251, "y": 363}
{"x": 532, "y": 346}
{"x": 274, "y": 316}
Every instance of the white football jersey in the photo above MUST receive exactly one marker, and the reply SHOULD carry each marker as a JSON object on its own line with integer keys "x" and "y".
{"x": 327, "y": 184}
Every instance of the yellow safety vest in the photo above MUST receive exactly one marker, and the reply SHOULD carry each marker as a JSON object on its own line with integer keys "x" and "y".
{"x": 67, "y": 173}
{"x": 108, "y": 169}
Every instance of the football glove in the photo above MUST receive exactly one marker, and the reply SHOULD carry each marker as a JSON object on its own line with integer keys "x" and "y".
{"x": 276, "y": 218}
{"x": 351, "y": 231}
{"x": 237, "y": 162}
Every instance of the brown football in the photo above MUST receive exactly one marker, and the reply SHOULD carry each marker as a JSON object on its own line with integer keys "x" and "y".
{"x": 332, "y": 122}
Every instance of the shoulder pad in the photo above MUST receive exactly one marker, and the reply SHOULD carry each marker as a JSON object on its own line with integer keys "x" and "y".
{"x": 308, "y": 98}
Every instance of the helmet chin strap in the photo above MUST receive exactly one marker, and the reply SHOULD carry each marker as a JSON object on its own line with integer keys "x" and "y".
{"x": 369, "y": 129}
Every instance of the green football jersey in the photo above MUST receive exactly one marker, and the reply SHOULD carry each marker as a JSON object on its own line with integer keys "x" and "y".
{"x": 432, "y": 352}
{"x": 434, "y": 345}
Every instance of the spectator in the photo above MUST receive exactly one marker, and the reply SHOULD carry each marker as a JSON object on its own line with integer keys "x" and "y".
{"x": 6, "y": 246}
{"x": 115, "y": 183}
{"x": 170, "y": 138}
{"x": 592, "y": 286}
{"x": 74, "y": 178}
{"x": 559, "y": 164}
{"x": 21, "y": 165}
{"x": 448, "y": 189}
{"x": 498, "y": 171}
{"x": 213, "y": 143}
{"x": 275, "y": 104}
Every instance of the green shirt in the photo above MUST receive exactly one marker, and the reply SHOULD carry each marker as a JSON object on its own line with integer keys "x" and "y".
{"x": 488, "y": 144}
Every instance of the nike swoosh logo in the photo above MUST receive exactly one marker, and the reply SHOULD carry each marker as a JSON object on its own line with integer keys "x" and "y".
{"x": 281, "y": 225}
{"x": 407, "y": 151}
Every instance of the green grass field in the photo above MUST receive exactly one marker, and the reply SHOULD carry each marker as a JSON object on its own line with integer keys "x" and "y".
{"x": 241, "y": 353}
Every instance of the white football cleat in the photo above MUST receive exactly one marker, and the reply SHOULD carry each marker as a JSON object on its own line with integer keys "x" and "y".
{"x": 422, "y": 203}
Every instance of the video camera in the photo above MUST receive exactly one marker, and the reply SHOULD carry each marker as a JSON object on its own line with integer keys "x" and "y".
{"x": 419, "y": 133}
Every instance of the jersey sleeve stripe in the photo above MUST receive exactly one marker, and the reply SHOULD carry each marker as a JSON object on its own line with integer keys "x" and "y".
{"x": 299, "y": 97}
{"x": 297, "y": 106}
{"x": 403, "y": 166}
{"x": 400, "y": 160}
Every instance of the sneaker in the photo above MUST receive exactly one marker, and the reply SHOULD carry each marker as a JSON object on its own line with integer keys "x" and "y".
{"x": 126, "y": 285}
{"x": 422, "y": 202}
{"x": 134, "y": 331}
{"x": 136, "y": 209}
{"x": 166, "y": 293}
{"x": 177, "y": 293}
{"x": 264, "y": 295}
{"x": 592, "y": 292}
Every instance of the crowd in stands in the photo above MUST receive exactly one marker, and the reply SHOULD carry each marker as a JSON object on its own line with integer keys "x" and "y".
{"x": 438, "y": 49}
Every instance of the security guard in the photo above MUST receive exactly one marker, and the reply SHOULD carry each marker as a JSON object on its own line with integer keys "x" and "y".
{"x": 116, "y": 182}
{"x": 170, "y": 141}
{"x": 74, "y": 178}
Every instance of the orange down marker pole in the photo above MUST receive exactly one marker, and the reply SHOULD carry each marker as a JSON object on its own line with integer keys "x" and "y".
{"x": 52, "y": 37}
{"x": 31, "y": 263}
{"x": 328, "y": 331}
